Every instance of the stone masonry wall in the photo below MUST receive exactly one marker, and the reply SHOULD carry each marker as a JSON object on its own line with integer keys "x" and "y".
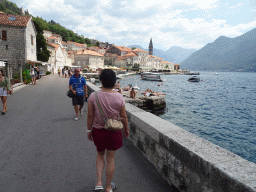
{"x": 186, "y": 161}
{"x": 15, "y": 52}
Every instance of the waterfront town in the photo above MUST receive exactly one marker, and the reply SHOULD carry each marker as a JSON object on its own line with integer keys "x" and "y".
{"x": 18, "y": 49}
{"x": 44, "y": 149}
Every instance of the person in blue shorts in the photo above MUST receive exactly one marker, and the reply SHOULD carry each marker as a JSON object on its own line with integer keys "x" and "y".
{"x": 77, "y": 84}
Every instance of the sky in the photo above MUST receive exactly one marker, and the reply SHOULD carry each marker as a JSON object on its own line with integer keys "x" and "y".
{"x": 190, "y": 24}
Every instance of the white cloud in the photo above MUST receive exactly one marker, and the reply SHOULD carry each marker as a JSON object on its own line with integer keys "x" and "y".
{"x": 162, "y": 20}
{"x": 198, "y": 4}
{"x": 236, "y": 6}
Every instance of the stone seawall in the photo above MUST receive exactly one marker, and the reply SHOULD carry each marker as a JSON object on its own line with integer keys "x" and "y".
{"x": 186, "y": 161}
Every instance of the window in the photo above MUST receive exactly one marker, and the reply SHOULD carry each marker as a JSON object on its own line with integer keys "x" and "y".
{"x": 7, "y": 47}
{"x": 32, "y": 43}
{"x": 4, "y": 35}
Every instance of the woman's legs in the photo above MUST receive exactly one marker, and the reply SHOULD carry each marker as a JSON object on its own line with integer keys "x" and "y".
{"x": 4, "y": 101}
{"x": 100, "y": 164}
{"x": 110, "y": 169}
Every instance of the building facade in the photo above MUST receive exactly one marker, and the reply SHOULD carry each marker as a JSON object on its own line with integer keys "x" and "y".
{"x": 88, "y": 58}
{"x": 17, "y": 42}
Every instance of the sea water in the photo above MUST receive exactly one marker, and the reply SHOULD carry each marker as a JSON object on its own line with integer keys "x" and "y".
{"x": 221, "y": 108}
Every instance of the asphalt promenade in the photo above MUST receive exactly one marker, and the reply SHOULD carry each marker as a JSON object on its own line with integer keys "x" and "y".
{"x": 43, "y": 149}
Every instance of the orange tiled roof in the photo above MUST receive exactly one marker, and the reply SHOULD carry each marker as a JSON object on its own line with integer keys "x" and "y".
{"x": 52, "y": 37}
{"x": 167, "y": 62}
{"x": 152, "y": 56}
{"x": 63, "y": 42}
{"x": 20, "y": 21}
{"x": 54, "y": 46}
{"x": 123, "y": 48}
{"x": 139, "y": 50}
{"x": 89, "y": 52}
{"x": 130, "y": 55}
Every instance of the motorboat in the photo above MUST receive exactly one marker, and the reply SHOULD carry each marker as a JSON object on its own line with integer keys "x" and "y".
{"x": 149, "y": 76}
{"x": 194, "y": 79}
{"x": 119, "y": 76}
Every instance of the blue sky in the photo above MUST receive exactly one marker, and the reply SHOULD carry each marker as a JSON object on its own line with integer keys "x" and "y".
{"x": 182, "y": 23}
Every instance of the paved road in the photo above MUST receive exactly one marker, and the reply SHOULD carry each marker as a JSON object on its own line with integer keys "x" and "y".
{"x": 43, "y": 149}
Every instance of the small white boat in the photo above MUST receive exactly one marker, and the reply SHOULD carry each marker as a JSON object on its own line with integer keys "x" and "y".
{"x": 151, "y": 76}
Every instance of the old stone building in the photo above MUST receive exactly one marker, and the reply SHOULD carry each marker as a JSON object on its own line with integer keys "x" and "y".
{"x": 17, "y": 42}
{"x": 119, "y": 50}
{"x": 85, "y": 58}
{"x": 73, "y": 46}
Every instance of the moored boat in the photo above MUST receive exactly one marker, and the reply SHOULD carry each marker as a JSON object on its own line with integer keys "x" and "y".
{"x": 149, "y": 76}
{"x": 194, "y": 79}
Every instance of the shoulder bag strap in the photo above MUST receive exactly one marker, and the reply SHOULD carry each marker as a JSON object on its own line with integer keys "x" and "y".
{"x": 79, "y": 81}
{"x": 99, "y": 105}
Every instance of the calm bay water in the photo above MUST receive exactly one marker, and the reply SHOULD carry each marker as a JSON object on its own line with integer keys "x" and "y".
{"x": 220, "y": 109}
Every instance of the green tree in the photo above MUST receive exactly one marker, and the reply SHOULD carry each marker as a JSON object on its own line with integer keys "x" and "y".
{"x": 87, "y": 41}
{"x": 134, "y": 48}
{"x": 41, "y": 47}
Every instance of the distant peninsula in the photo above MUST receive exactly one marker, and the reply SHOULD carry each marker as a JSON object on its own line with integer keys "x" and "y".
{"x": 225, "y": 54}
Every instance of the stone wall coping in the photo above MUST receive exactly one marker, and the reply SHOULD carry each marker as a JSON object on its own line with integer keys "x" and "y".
{"x": 212, "y": 157}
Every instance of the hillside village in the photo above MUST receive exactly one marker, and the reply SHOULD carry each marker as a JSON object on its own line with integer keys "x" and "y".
{"x": 18, "y": 48}
{"x": 68, "y": 54}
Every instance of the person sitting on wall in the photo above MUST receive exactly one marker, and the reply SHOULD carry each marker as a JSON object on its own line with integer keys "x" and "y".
{"x": 118, "y": 85}
{"x": 132, "y": 93}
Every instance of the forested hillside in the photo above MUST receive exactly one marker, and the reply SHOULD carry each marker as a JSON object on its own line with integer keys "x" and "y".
{"x": 67, "y": 35}
{"x": 225, "y": 54}
{"x": 10, "y": 8}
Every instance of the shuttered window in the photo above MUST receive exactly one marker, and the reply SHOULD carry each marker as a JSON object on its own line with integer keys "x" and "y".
{"x": 32, "y": 43}
{"x": 4, "y": 35}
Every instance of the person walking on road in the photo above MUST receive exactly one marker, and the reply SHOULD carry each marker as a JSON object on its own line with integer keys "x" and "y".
{"x": 4, "y": 91}
{"x": 62, "y": 72}
{"x": 106, "y": 141}
{"x": 32, "y": 74}
{"x": 59, "y": 72}
{"x": 77, "y": 85}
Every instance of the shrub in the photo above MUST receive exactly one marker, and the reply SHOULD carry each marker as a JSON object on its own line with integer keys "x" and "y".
{"x": 48, "y": 72}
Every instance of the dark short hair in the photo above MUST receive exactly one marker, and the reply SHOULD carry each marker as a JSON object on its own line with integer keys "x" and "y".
{"x": 2, "y": 72}
{"x": 108, "y": 78}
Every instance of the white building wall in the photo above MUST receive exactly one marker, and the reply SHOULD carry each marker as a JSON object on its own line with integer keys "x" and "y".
{"x": 31, "y": 49}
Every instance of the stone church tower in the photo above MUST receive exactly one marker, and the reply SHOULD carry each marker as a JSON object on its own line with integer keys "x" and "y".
{"x": 150, "y": 48}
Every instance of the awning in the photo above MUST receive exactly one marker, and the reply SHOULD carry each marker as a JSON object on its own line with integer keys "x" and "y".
{"x": 46, "y": 64}
{"x": 33, "y": 62}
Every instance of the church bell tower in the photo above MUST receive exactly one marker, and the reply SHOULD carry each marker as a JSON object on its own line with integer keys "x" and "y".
{"x": 150, "y": 48}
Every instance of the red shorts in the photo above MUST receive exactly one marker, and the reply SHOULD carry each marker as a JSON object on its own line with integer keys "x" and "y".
{"x": 105, "y": 139}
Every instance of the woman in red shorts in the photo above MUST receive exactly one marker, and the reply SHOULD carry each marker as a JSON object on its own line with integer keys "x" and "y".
{"x": 106, "y": 141}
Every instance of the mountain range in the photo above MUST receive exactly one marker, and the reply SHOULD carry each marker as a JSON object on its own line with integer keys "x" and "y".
{"x": 174, "y": 54}
{"x": 225, "y": 54}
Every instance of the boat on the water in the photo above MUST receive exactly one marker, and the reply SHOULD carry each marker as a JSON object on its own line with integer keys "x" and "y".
{"x": 194, "y": 79}
{"x": 149, "y": 76}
